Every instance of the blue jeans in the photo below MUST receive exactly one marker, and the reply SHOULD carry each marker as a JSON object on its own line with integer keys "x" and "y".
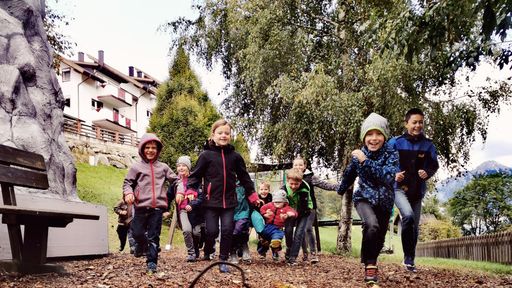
{"x": 147, "y": 220}
{"x": 294, "y": 231}
{"x": 270, "y": 232}
{"x": 410, "y": 214}
{"x": 375, "y": 226}
{"x": 309, "y": 237}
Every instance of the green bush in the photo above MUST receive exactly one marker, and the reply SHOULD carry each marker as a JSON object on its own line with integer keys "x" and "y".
{"x": 438, "y": 229}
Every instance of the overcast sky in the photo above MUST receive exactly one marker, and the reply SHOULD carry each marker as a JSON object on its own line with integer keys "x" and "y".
{"x": 127, "y": 32}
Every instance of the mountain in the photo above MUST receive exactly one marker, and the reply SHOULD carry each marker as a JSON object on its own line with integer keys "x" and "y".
{"x": 447, "y": 187}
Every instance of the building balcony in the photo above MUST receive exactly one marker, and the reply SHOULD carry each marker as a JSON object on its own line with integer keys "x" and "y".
{"x": 113, "y": 120}
{"x": 115, "y": 97}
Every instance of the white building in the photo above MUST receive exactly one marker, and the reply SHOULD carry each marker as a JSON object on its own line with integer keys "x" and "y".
{"x": 105, "y": 102}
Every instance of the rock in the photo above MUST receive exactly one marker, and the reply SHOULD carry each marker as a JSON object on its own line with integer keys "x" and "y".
{"x": 102, "y": 159}
{"x": 118, "y": 164}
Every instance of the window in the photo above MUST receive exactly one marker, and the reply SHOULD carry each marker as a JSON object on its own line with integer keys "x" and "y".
{"x": 148, "y": 113}
{"x": 66, "y": 74}
{"x": 67, "y": 102}
{"x": 97, "y": 105}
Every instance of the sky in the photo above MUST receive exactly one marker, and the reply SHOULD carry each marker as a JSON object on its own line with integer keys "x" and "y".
{"x": 126, "y": 30}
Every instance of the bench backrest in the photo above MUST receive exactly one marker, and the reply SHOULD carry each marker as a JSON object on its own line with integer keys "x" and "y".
{"x": 21, "y": 168}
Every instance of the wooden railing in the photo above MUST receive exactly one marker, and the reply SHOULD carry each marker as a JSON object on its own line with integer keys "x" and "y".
{"x": 495, "y": 247}
{"x": 78, "y": 127}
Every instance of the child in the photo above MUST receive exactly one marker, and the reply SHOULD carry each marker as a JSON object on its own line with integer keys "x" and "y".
{"x": 297, "y": 192}
{"x": 241, "y": 230}
{"x": 275, "y": 213}
{"x": 144, "y": 187}
{"x": 124, "y": 219}
{"x": 264, "y": 192}
{"x": 376, "y": 165}
{"x": 218, "y": 168}
{"x": 189, "y": 211}
{"x": 312, "y": 181}
{"x": 418, "y": 162}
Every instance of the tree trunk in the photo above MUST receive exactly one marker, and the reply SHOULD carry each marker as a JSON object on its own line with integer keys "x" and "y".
{"x": 344, "y": 242}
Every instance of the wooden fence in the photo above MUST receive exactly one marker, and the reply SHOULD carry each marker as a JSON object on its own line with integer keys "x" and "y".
{"x": 495, "y": 247}
{"x": 78, "y": 127}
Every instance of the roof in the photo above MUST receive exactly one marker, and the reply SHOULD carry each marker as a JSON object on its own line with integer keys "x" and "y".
{"x": 147, "y": 83}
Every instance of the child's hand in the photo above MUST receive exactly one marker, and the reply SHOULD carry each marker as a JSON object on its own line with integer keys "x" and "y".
{"x": 188, "y": 208}
{"x": 399, "y": 177}
{"x": 268, "y": 213}
{"x": 166, "y": 214}
{"x": 190, "y": 197}
{"x": 422, "y": 174}
{"x": 284, "y": 216}
{"x": 290, "y": 214}
{"x": 179, "y": 198}
{"x": 359, "y": 155}
{"x": 129, "y": 199}
{"x": 123, "y": 212}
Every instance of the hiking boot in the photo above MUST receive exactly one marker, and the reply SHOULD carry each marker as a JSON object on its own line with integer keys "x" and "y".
{"x": 151, "y": 268}
{"x": 191, "y": 258}
{"x": 314, "y": 258}
{"x": 305, "y": 257}
{"x": 275, "y": 256}
{"x": 138, "y": 253}
{"x": 371, "y": 274}
{"x": 233, "y": 258}
{"x": 262, "y": 256}
{"x": 223, "y": 268}
{"x": 246, "y": 255}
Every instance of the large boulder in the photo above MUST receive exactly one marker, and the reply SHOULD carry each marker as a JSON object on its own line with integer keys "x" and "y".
{"x": 31, "y": 102}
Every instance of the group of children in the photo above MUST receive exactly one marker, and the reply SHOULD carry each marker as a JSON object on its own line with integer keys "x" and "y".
{"x": 219, "y": 196}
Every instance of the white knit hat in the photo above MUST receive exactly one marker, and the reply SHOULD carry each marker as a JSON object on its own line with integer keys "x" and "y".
{"x": 185, "y": 160}
{"x": 279, "y": 196}
{"x": 375, "y": 122}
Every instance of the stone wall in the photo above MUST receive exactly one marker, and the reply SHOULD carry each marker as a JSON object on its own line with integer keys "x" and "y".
{"x": 97, "y": 152}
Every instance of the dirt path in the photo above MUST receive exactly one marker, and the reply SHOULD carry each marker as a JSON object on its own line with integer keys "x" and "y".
{"x": 123, "y": 270}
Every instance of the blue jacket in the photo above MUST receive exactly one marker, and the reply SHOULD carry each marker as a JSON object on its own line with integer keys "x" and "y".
{"x": 416, "y": 153}
{"x": 242, "y": 210}
{"x": 376, "y": 177}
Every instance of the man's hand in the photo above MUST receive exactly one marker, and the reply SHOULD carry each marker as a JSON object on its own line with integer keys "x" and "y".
{"x": 179, "y": 198}
{"x": 129, "y": 199}
{"x": 400, "y": 176}
{"x": 423, "y": 175}
{"x": 359, "y": 155}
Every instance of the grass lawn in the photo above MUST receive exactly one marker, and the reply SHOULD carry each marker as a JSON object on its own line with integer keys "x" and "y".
{"x": 103, "y": 185}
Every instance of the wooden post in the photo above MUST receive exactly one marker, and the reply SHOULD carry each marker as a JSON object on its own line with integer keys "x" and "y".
{"x": 98, "y": 133}
{"x": 117, "y": 137}
{"x": 172, "y": 228}
{"x": 78, "y": 126}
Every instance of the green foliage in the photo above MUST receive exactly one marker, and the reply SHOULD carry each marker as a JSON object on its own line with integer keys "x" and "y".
{"x": 437, "y": 230}
{"x": 53, "y": 20}
{"x": 432, "y": 205}
{"x": 484, "y": 205}
{"x": 184, "y": 114}
{"x": 316, "y": 69}
{"x": 328, "y": 204}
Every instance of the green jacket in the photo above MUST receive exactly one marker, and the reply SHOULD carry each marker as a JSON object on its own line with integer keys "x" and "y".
{"x": 300, "y": 200}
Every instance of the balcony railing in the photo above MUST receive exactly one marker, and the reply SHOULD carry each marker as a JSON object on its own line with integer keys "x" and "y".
{"x": 91, "y": 131}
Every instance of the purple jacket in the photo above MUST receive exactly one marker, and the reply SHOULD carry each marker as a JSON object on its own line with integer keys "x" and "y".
{"x": 145, "y": 179}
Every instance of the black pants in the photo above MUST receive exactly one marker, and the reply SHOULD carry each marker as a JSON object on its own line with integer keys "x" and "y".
{"x": 227, "y": 223}
{"x": 375, "y": 225}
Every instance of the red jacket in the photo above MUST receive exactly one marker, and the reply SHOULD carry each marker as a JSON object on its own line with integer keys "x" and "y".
{"x": 276, "y": 217}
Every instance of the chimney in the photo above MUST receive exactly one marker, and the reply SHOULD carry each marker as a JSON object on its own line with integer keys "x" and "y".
{"x": 101, "y": 57}
{"x": 139, "y": 73}
{"x": 130, "y": 71}
{"x": 80, "y": 56}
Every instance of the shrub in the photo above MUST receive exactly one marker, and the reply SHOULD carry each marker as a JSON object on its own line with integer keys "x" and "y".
{"x": 437, "y": 230}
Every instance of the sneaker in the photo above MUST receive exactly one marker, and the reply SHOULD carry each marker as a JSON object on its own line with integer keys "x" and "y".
{"x": 262, "y": 256}
{"x": 208, "y": 257}
{"x": 223, "y": 268}
{"x": 305, "y": 257}
{"x": 138, "y": 253}
{"x": 292, "y": 262}
{"x": 314, "y": 258}
{"x": 275, "y": 256}
{"x": 151, "y": 268}
{"x": 233, "y": 258}
{"x": 191, "y": 258}
{"x": 246, "y": 256}
{"x": 410, "y": 268}
{"x": 371, "y": 274}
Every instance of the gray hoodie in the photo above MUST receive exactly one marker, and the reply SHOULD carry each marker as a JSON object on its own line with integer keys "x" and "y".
{"x": 145, "y": 179}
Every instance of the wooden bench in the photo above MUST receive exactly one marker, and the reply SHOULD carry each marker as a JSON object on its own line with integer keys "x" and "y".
{"x": 27, "y": 169}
